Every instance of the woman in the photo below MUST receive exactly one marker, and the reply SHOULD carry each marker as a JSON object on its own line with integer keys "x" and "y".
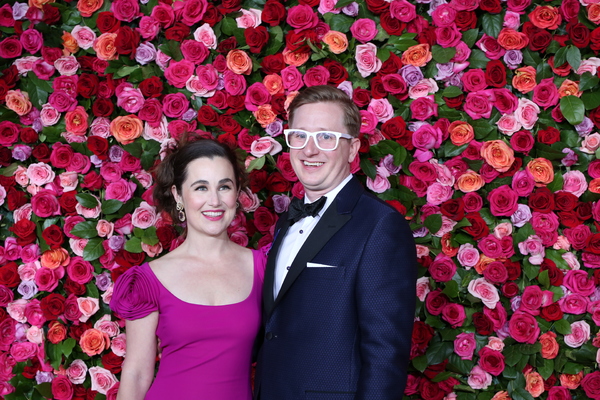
{"x": 202, "y": 300}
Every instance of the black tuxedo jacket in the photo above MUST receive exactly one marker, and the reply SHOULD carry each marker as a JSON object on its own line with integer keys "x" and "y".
{"x": 341, "y": 325}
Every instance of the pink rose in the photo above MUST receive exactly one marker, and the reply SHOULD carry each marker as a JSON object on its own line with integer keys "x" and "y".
{"x": 265, "y": 145}
{"x": 402, "y": 10}
{"x": 235, "y": 84}
{"x": 40, "y": 174}
{"x": 573, "y": 304}
{"x": 575, "y": 182}
{"x": 315, "y": 76}
{"x": 31, "y": 40}
{"x": 129, "y": 99}
{"x": 144, "y": 216}
{"x": 485, "y": 291}
{"x": 366, "y": 59}
{"x": 206, "y": 35}
{"x": 256, "y": 95}
{"x": 527, "y": 113}
{"x": 442, "y": 269}
{"x": 468, "y": 256}
{"x": 438, "y": 193}
{"x": 292, "y": 78}
{"x": 454, "y": 314}
{"x": 505, "y": 101}
{"x": 45, "y": 204}
{"x": 427, "y": 137}
{"x": 104, "y": 324}
{"x": 590, "y": 143}
{"x": 578, "y": 281}
{"x": 364, "y": 29}
{"x": 88, "y": 306}
{"x": 121, "y": 190}
{"x": 508, "y": 124}
{"x": 67, "y": 65}
{"x": 423, "y": 288}
{"x": 464, "y": 345}
{"x": 175, "y": 104}
{"x": 534, "y": 247}
{"x": 379, "y": 185}
{"x": 23, "y": 351}
{"x": 479, "y": 104}
{"x": 77, "y": 372}
{"x": 84, "y": 36}
{"x": 423, "y": 108}
{"x": 194, "y": 51}
{"x": 249, "y": 19}
{"x": 102, "y": 379}
{"x": 580, "y": 333}
{"x": 302, "y": 17}
{"x": 545, "y": 94}
{"x": 119, "y": 345}
{"x": 178, "y": 72}
{"x": 479, "y": 379}
{"x": 523, "y": 328}
{"x": 503, "y": 201}
{"x": 208, "y": 76}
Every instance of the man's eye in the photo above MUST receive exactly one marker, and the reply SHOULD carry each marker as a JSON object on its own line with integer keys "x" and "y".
{"x": 327, "y": 136}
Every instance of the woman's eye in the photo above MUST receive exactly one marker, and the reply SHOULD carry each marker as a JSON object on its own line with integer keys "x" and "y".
{"x": 225, "y": 187}
{"x": 201, "y": 188}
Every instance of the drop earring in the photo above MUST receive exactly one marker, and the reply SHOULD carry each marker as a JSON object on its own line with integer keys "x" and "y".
{"x": 180, "y": 213}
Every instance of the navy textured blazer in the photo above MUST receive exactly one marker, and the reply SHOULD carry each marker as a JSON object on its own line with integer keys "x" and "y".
{"x": 341, "y": 332}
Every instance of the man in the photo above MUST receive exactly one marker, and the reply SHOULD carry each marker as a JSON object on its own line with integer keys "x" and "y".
{"x": 339, "y": 292}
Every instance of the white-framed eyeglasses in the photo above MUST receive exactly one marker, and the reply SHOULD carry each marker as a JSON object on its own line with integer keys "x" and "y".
{"x": 325, "y": 140}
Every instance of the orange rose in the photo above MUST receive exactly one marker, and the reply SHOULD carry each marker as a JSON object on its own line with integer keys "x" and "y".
{"x": 56, "y": 332}
{"x": 337, "y": 41}
{"x": 295, "y": 58}
{"x": 524, "y": 79}
{"x": 549, "y": 345}
{"x": 483, "y": 263}
{"x": 288, "y": 100}
{"x": 569, "y": 88}
{"x": 18, "y": 101}
{"x": 542, "y": 171}
{"x": 534, "y": 383}
{"x": 594, "y": 186}
{"x": 512, "y": 40}
{"x": 447, "y": 247}
{"x": 498, "y": 154}
{"x": 105, "y": 46}
{"x": 594, "y": 13}
{"x": 503, "y": 395}
{"x": 88, "y": 7}
{"x": 274, "y": 84}
{"x": 460, "y": 133}
{"x": 264, "y": 115}
{"x": 571, "y": 381}
{"x": 417, "y": 55}
{"x": 239, "y": 62}
{"x": 69, "y": 43}
{"x": 470, "y": 181}
{"x": 39, "y": 3}
{"x": 126, "y": 128}
{"x": 545, "y": 17}
{"x": 54, "y": 258}
{"x": 94, "y": 342}
{"x": 77, "y": 121}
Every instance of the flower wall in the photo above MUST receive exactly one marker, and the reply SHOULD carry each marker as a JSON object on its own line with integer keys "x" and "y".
{"x": 481, "y": 123}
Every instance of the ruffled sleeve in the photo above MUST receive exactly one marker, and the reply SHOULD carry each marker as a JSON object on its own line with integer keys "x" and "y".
{"x": 260, "y": 261}
{"x": 135, "y": 294}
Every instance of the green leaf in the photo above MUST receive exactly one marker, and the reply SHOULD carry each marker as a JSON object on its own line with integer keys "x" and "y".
{"x": 442, "y": 55}
{"x": 452, "y": 91}
{"x": 512, "y": 355}
{"x": 93, "y": 249}
{"x": 437, "y": 352}
{"x": 572, "y": 368}
{"x": 531, "y": 58}
{"x": 433, "y": 223}
{"x": 518, "y": 392}
{"x": 557, "y": 182}
{"x": 451, "y": 150}
{"x": 275, "y": 40}
{"x": 257, "y": 163}
{"x": 85, "y": 230}
{"x": 10, "y": 170}
{"x": 228, "y": 26}
{"x": 451, "y": 289}
{"x": 173, "y": 48}
{"x": 478, "y": 59}
{"x": 45, "y": 389}
{"x": 591, "y": 99}
{"x": 470, "y": 37}
{"x": 339, "y": 22}
{"x": 125, "y": 71}
{"x": 491, "y": 24}
{"x": 561, "y": 56}
{"x": 92, "y": 290}
{"x": 111, "y": 206}
{"x": 368, "y": 168}
{"x": 87, "y": 200}
{"x": 546, "y": 368}
{"x": 54, "y": 354}
{"x": 68, "y": 345}
{"x": 573, "y": 56}
{"x": 573, "y": 109}
{"x": 343, "y": 3}
{"x": 588, "y": 81}
{"x": 562, "y": 326}
{"x": 134, "y": 245}
{"x": 531, "y": 271}
{"x": 544, "y": 279}
{"x": 420, "y": 363}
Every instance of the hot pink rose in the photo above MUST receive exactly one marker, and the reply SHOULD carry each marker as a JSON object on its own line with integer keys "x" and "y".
{"x": 364, "y": 29}
{"x": 479, "y": 104}
{"x": 178, "y": 72}
{"x": 318, "y": 75}
{"x": 545, "y": 94}
{"x": 464, "y": 345}
{"x": 503, "y": 201}
{"x": 454, "y": 314}
{"x": 403, "y": 11}
{"x": 77, "y": 372}
{"x": 442, "y": 269}
{"x": 491, "y": 361}
{"x": 302, "y": 17}
{"x": 23, "y": 351}
{"x": 121, "y": 190}
{"x": 523, "y": 327}
{"x": 45, "y": 204}
{"x": 578, "y": 281}
{"x": 423, "y": 108}
{"x": 479, "y": 379}
{"x": 175, "y": 105}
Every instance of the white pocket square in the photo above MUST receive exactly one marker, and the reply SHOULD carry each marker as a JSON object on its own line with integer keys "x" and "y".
{"x": 315, "y": 265}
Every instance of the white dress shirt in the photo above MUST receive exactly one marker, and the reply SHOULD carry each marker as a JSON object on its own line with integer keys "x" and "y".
{"x": 296, "y": 236}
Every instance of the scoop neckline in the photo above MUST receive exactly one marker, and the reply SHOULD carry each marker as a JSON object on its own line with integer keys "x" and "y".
{"x": 147, "y": 264}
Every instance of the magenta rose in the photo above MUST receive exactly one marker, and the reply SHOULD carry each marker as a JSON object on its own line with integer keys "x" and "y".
{"x": 178, "y": 72}
{"x": 9, "y": 133}
{"x": 32, "y": 40}
{"x": 503, "y": 201}
{"x": 10, "y": 48}
{"x": 491, "y": 246}
{"x": 491, "y": 361}
{"x": 80, "y": 271}
{"x": 23, "y": 351}
{"x": 479, "y": 104}
{"x": 121, "y": 190}
{"x": 523, "y": 327}
{"x": 316, "y": 76}
{"x": 125, "y": 10}
{"x": 454, "y": 314}
{"x": 302, "y": 17}
{"x": 364, "y": 30}
{"x": 578, "y": 281}
{"x": 591, "y": 385}
{"x": 464, "y": 345}
{"x": 545, "y": 94}
{"x": 194, "y": 51}
{"x": 442, "y": 269}
{"x": 256, "y": 95}
{"x": 175, "y": 105}
{"x": 45, "y": 204}
{"x": 292, "y": 78}
{"x": 423, "y": 108}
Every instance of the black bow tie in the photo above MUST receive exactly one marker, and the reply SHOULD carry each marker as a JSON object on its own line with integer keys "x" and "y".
{"x": 298, "y": 209}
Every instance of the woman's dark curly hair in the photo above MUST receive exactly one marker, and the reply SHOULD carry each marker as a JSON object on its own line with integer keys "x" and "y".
{"x": 173, "y": 170}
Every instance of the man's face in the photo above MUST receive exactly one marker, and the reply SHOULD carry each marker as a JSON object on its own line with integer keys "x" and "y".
{"x": 321, "y": 171}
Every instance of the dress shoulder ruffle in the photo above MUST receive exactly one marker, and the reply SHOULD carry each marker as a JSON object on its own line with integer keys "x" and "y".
{"x": 135, "y": 294}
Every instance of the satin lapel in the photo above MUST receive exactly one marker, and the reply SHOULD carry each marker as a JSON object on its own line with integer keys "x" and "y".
{"x": 281, "y": 229}
{"x": 330, "y": 223}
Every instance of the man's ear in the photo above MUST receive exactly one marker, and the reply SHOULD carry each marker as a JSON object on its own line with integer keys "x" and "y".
{"x": 354, "y": 147}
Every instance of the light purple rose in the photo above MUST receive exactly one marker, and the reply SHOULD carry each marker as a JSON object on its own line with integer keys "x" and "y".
{"x": 145, "y": 53}
{"x": 281, "y": 203}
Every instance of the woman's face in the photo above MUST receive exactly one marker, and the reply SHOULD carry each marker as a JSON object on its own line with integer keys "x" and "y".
{"x": 209, "y": 194}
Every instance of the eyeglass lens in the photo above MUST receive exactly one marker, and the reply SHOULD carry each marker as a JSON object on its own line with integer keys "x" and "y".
{"x": 325, "y": 140}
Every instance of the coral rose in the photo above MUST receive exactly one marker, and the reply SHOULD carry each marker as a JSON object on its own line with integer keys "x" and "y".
{"x": 594, "y": 13}
{"x": 524, "y": 79}
{"x": 542, "y": 171}
{"x": 88, "y": 7}
{"x": 470, "y": 181}
{"x": 550, "y": 346}
{"x": 239, "y": 62}
{"x": 105, "y": 46}
{"x": 545, "y": 17}
{"x": 126, "y": 128}
{"x": 461, "y": 133}
{"x": 498, "y": 155}
{"x": 337, "y": 41}
{"x": 569, "y": 88}
{"x": 417, "y": 55}
{"x": 264, "y": 115}
{"x": 534, "y": 383}
{"x": 512, "y": 40}
{"x": 18, "y": 101}
{"x": 94, "y": 341}
{"x": 55, "y": 258}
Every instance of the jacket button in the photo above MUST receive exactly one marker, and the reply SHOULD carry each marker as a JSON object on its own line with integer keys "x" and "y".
{"x": 269, "y": 336}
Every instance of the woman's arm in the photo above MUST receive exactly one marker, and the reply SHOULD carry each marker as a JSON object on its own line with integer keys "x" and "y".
{"x": 138, "y": 368}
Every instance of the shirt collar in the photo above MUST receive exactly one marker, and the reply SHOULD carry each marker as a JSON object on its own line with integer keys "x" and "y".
{"x": 331, "y": 195}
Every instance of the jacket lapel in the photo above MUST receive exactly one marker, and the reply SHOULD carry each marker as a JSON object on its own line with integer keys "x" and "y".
{"x": 280, "y": 230}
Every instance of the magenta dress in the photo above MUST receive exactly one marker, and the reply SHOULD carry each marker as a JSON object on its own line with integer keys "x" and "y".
{"x": 206, "y": 350}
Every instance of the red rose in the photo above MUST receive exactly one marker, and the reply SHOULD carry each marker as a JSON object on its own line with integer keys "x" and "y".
{"x": 595, "y": 39}
{"x": 228, "y": 124}
{"x": 112, "y": 362}
{"x": 92, "y": 181}
{"x": 127, "y": 41}
{"x": 166, "y": 234}
{"x": 579, "y": 34}
{"x": 72, "y": 287}
{"x": 483, "y": 325}
{"x": 62, "y": 155}
{"x": 256, "y": 38}
{"x": 228, "y": 139}
{"x": 513, "y": 268}
{"x": 491, "y": 6}
{"x": 436, "y": 301}
{"x": 548, "y": 136}
{"x": 455, "y": 102}
{"x": 87, "y": 85}
{"x": 278, "y": 104}
{"x": 151, "y": 87}
{"x": 264, "y": 219}
{"x": 539, "y": 39}
{"x": 127, "y": 259}
{"x": 453, "y": 209}
{"x": 9, "y": 275}
{"x": 361, "y": 97}
{"x": 430, "y": 390}
{"x": 273, "y": 12}
{"x": 277, "y": 183}
{"x": 377, "y": 6}
{"x": 177, "y": 32}
{"x": 565, "y": 201}
{"x": 25, "y": 232}
{"x": 258, "y": 180}
{"x": 377, "y": 89}
{"x": 211, "y": 15}
{"x": 75, "y": 331}
{"x": 285, "y": 167}
{"x": 495, "y": 74}
{"x": 99, "y": 146}
{"x": 569, "y": 219}
{"x": 235, "y": 104}
{"x": 510, "y": 289}
{"x": 3, "y": 90}
{"x": 391, "y": 25}
{"x": 207, "y": 116}
{"x": 491, "y": 361}
{"x": 52, "y": 306}
{"x": 397, "y": 205}
{"x": 229, "y": 6}
{"x": 53, "y": 236}
{"x": 28, "y": 135}
{"x": 225, "y": 46}
{"x": 273, "y": 64}
{"x": 107, "y": 23}
{"x": 67, "y": 202}
{"x": 391, "y": 65}
{"x": 51, "y": 14}
{"x": 62, "y": 388}
{"x": 542, "y": 200}
{"x": 478, "y": 228}
{"x": 551, "y": 312}
{"x": 15, "y": 198}
{"x": 337, "y": 72}
{"x": 584, "y": 211}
